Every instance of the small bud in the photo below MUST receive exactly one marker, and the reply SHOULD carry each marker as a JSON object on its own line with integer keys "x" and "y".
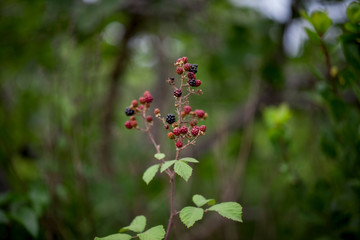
{"x": 132, "y": 118}
{"x": 156, "y": 111}
{"x": 171, "y": 135}
{"x": 205, "y": 116}
{"x": 183, "y": 114}
{"x": 149, "y": 118}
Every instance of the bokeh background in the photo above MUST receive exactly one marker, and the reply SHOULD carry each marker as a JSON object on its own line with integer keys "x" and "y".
{"x": 278, "y": 140}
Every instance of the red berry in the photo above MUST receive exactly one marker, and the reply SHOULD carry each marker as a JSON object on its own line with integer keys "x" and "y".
{"x": 141, "y": 107}
{"x": 177, "y": 92}
{"x": 132, "y": 118}
{"x": 156, "y": 111}
{"x": 193, "y": 122}
{"x": 142, "y": 100}
{"x": 179, "y": 144}
{"x": 191, "y": 75}
{"x": 187, "y": 109}
{"x": 200, "y": 113}
{"x": 184, "y": 129}
{"x": 197, "y": 83}
{"x": 171, "y": 135}
{"x": 149, "y": 118}
{"x": 195, "y": 131}
{"x": 133, "y": 123}
{"x": 202, "y": 128}
{"x": 187, "y": 66}
{"x": 185, "y": 59}
{"x": 134, "y": 103}
{"x": 146, "y": 93}
{"x": 176, "y": 131}
{"x": 179, "y": 70}
{"x": 128, "y": 125}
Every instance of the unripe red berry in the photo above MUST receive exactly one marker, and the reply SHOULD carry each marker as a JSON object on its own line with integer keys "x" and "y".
{"x": 187, "y": 109}
{"x": 156, "y": 111}
{"x": 187, "y": 66}
{"x": 185, "y": 59}
{"x": 149, "y": 99}
{"x": 149, "y": 118}
{"x": 183, "y": 129}
{"x": 177, "y": 93}
{"x": 202, "y": 128}
{"x": 128, "y": 125}
{"x": 132, "y": 118}
{"x": 133, "y": 123}
{"x": 183, "y": 114}
{"x": 176, "y": 131}
{"x": 195, "y": 131}
{"x": 141, "y": 107}
{"x": 191, "y": 75}
{"x": 193, "y": 122}
{"x": 197, "y": 83}
{"x": 142, "y": 100}
{"x": 179, "y": 144}
{"x": 200, "y": 113}
{"x": 134, "y": 103}
{"x": 179, "y": 70}
{"x": 146, "y": 93}
{"x": 171, "y": 135}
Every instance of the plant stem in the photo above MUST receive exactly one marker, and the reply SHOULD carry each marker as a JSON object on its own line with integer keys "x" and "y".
{"x": 328, "y": 66}
{"x": 172, "y": 211}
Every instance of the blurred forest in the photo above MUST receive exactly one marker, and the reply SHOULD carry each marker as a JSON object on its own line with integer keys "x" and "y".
{"x": 283, "y": 132}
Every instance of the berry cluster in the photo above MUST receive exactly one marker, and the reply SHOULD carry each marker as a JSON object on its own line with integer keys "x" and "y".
{"x": 136, "y": 109}
{"x": 182, "y": 126}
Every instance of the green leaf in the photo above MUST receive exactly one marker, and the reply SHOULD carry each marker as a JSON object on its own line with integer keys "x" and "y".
{"x": 231, "y": 210}
{"x": 321, "y": 22}
{"x": 183, "y": 170}
{"x": 201, "y": 201}
{"x": 159, "y": 156}
{"x": 117, "y": 236}
{"x": 189, "y": 215}
{"x": 149, "y": 174}
{"x": 155, "y": 233}
{"x": 313, "y": 36}
{"x": 27, "y": 218}
{"x": 3, "y": 218}
{"x": 189, "y": 159}
{"x": 353, "y": 12}
{"x": 137, "y": 225}
{"x": 166, "y": 165}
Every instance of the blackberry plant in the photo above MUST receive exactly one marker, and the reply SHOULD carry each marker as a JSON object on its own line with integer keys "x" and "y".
{"x": 183, "y": 129}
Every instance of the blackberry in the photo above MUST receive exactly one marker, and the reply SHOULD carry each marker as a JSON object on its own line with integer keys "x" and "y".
{"x": 192, "y": 82}
{"x": 129, "y": 112}
{"x": 177, "y": 93}
{"x": 193, "y": 68}
{"x": 170, "y": 118}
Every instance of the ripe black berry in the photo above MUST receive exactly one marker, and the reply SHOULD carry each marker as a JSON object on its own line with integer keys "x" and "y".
{"x": 193, "y": 68}
{"x": 170, "y": 118}
{"x": 129, "y": 112}
{"x": 177, "y": 93}
{"x": 192, "y": 82}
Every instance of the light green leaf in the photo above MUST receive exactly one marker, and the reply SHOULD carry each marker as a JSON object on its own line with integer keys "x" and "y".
{"x": 183, "y": 170}
{"x": 231, "y": 210}
{"x": 159, "y": 156}
{"x": 137, "y": 225}
{"x": 189, "y": 159}
{"x": 189, "y": 215}
{"x": 201, "y": 201}
{"x": 27, "y": 218}
{"x": 149, "y": 174}
{"x": 117, "y": 236}
{"x": 321, "y": 22}
{"x": 166, "y": 165}
{"x": 155, "y": 233}
{"x": 314, "y": 37}
{"x": 353, "y": 12}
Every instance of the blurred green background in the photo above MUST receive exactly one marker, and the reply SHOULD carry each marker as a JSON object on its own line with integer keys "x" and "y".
{"x": 283, "y": 132}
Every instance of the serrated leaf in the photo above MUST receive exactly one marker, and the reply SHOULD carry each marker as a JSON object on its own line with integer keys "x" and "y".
{"x": 137, "y": 225}
{"x": 321, "y": 22}
{"x": 231, "y": 210}
{"x": 154, "y": 233}
{"x": 117, "y": 236}
{"x": 159, "y": 156}
{"x": 27, "y": 218}
{"x": 166, "y": 165}
{"x": 149, "y": 174}
{"x": 183, "y": 170}
{"x": 201, "y": 201}
{"x": 189, "y": 215}
{"x": 189, "y": 159}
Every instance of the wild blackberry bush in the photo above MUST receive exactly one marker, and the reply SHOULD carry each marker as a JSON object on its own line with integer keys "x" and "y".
{"x": 182, "y": 128}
